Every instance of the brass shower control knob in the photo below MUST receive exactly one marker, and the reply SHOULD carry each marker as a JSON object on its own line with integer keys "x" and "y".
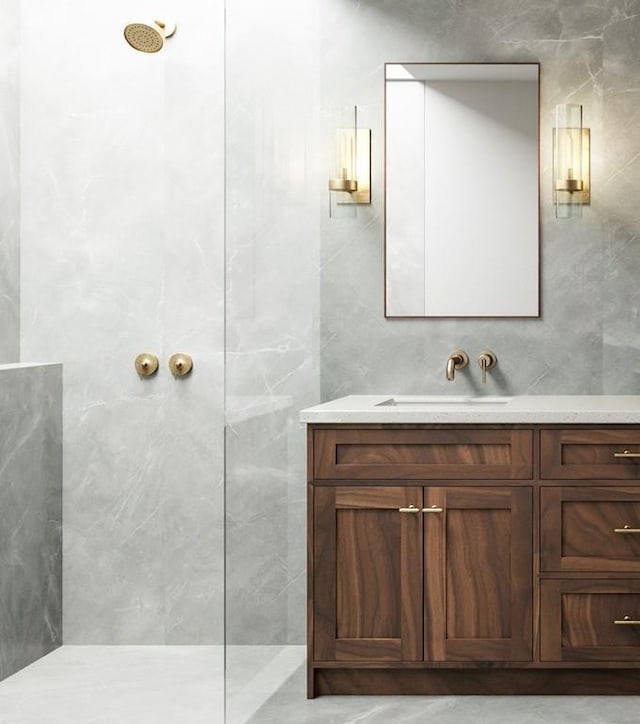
{"x": 147, "y": 364}
{"x": 180, "y": 364}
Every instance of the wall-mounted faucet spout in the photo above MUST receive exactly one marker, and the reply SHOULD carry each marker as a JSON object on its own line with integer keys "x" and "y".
{"x": 457, "y": 360}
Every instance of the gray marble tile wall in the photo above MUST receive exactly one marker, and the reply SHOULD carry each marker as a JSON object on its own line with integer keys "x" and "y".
{"x": 587, "y": 339}
{"x": 30, "y": 513}
{"x": 122, "y": 252}
{"x": 9, "y": 183}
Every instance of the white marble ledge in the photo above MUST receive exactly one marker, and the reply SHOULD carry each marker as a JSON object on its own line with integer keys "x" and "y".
{"x": 572, "y": 409}
{"x": 26, "y": 365}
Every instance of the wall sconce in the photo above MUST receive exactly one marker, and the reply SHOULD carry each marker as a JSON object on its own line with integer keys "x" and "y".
{"x": 351, "y": 182}
{"x": 571, "y": 162}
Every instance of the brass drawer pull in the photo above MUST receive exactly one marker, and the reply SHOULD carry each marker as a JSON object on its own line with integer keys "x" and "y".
{"x": 627, "y": 454}
{"x": 626, "y": 529}
{"x": 410, "y": 509}
{"x": 627, "y": 621}
{"x": 433, "y": 509}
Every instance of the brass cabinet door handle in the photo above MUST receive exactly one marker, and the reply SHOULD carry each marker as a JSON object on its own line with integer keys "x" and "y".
{"x": 626, "y": 621}
{"x": 626, "y": 529}
{"x": 413, "y": 509}
{"x": 626, "y": 454}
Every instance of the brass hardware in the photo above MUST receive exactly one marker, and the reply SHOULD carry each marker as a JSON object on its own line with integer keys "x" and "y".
{"x": 433, "y": 509}
{"x": 626, "y": 529}
{"x": 146, "y": 364}
{"x": 410, "y": 509}
{"x": 627, "y": 454}
{"x": 149, "y": 37}
{"x": 457, "y": 360}
{"x": 486, "y": 360}
{"x": 569, "y": 184}
{"x": 626, "y": 621}
{"x": 343, "y": 184}
{"x": 180, "y": 364}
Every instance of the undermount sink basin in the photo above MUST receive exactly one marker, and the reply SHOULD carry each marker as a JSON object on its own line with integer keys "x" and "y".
{"x": 418, "y": 400}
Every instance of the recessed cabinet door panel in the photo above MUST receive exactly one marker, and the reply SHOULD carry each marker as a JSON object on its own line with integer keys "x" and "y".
{"x": 367, "y": 574}
{"x": 584, "y": 620}
{"x": 590, "y": 529}
{"x": 478, "y": 573}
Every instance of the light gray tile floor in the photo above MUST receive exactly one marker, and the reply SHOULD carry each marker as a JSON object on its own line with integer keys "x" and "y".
{"x": 288, "y": 706}
{"x": 265, "y": 685}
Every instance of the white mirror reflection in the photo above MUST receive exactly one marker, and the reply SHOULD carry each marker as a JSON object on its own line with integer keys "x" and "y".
{"x": 461, "y": 186}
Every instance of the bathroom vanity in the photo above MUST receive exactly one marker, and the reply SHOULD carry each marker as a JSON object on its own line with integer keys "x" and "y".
{"x": 474, "y": 545}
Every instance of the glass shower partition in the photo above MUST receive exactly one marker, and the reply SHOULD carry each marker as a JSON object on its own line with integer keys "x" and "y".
{"x": 273, "y": 208}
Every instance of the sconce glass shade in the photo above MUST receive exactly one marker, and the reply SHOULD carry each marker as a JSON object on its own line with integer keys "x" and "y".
{"x": 351, "y": 177}
{"x": 571, "y": 162}
{"x": 345, "y": 176}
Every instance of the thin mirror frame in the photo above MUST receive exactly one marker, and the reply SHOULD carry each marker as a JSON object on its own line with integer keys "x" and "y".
{"x": 385, "y": 210}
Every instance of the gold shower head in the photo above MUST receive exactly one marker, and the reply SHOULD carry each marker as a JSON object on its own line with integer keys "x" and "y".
{"x": 149, "y": 37}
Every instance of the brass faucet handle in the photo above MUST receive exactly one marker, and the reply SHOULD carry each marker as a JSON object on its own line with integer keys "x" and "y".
{"x": 486, "y": 359}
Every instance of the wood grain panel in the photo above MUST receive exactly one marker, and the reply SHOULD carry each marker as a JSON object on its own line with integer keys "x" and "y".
{"x": 578, "y": 454}
{"x": 368, "y": 562}
{"x": 367, "y": 574}
{"x": 464, "y": 454}
{"x": 578, "y": 620}
{"x": 478, "y": 575}
{"x": 478, "y": 606}
{"x": 578, "y": 529}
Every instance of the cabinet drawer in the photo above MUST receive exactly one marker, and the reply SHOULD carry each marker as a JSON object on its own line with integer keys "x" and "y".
{"x": 590, "y": 454}
{"x": 423, "y": 454}
{"x": 578, "y": 620}
{"x": 590, "y": 529}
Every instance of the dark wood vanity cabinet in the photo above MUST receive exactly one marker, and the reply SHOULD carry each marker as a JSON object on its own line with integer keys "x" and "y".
{"x": 458, "y": 559}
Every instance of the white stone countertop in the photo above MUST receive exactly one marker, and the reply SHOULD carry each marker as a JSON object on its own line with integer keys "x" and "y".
{"x": 573, "y": 409}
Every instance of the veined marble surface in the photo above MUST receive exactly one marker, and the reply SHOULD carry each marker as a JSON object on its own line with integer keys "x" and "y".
{"x": 10, "y": 181}
{"x": 30, "y": 514}
{"x": 276, "y": 194}
{"x": 586, "y": 340}
{"x": 122, "y": 160}
{"x": 572, "y": 409}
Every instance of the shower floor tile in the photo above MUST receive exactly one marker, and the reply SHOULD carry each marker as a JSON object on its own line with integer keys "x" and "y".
{"x": 118, "y": 685}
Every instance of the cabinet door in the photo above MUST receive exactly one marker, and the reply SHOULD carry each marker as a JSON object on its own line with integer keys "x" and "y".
{"x": 478, "y": 574}
{"x": 367, "y": 566}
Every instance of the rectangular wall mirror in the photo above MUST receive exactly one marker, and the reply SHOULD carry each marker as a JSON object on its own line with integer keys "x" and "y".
{"x": 462, "y": 190}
